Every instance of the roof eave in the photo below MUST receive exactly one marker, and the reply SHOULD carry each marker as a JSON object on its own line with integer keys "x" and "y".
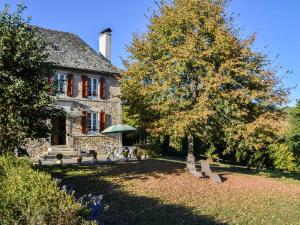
{"x": 87, "y": 70}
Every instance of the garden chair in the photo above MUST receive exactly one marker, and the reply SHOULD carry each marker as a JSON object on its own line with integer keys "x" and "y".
{"x": 193, "y": 170}
{"x": 131, "y": 153}
{"x": 118, "y": 152}
{"x": 207, "y": 170}
{"x": 110, "y": 152}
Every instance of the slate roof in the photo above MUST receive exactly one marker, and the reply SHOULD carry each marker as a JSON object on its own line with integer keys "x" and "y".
{"x": 68, "y": 50}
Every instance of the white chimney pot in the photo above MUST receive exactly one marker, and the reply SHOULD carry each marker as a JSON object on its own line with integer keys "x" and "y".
{"x": 105, "y": 43}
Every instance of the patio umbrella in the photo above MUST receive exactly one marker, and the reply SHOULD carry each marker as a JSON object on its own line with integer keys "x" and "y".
{"x": 119, "y": 128}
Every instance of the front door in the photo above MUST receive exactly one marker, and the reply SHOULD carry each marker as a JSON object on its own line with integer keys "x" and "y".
{"x": 58, "y": 133}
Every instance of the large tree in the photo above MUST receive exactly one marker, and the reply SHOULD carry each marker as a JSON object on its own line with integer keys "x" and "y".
{"x": 293, "y": 134}
{"x": 192, "y": 75}
{"x": 25, "y": 105}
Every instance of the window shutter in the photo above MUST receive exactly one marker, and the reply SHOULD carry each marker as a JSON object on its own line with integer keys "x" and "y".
{"x": 50, "y": 82}
{"x": 70, "y": 85}
{"x": 102, "y": 121}
{"x": 84, "y": 86}
{"x": 84, "y": 123}
{"x": 102, "y": 88}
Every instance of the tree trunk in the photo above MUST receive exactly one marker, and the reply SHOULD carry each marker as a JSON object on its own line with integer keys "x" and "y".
{"x": 190, "y": 159}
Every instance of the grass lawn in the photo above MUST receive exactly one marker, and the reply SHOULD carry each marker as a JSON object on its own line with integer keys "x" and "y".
{"x": 160, "y": 192}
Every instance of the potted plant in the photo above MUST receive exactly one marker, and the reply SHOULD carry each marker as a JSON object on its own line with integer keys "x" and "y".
{"x": 79, "y": 160}
{"x": 59, "y": 158}
{"x": 94, "y": 154}
{"x": 138, "y": 155}
{"x": 125, "y": 154}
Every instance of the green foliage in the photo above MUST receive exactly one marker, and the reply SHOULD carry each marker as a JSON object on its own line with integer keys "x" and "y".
{"x": 191, "y": 74}
{"x": 211, "y": 155}
{"x": 24, "y": 102}
{"x": 283, "y": 158}
{"x": 293, "y": 136}
{"x": 32, "y": 197}
{"x": 150, "y": 150}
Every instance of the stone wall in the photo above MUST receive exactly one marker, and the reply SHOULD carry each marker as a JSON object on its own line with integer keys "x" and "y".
{"x": 98, "y": 143}
{"x": 112, "y": 91}
{"x": 112, "y": 111}
{"x": 37, "y": 148}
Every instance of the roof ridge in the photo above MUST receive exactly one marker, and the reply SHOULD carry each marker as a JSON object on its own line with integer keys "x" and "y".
{"x": 53, "y": 30}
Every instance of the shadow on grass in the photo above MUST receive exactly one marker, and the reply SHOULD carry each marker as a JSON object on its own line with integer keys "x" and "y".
{"x": 127, "y": 170}
{"x": 125, "y": 208}
{"x": 252, "y": 171}
{"x": 243, "y": 169}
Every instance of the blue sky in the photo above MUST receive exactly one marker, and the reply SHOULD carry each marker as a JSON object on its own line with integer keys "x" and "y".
{"x": 276, "y": 22}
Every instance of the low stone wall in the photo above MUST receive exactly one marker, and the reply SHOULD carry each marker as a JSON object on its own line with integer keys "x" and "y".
{"x": 98, "y": 143}
{"x": 36, "y": 148}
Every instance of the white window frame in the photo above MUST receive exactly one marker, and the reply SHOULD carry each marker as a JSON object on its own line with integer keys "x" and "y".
{"x": 93, "y": 87}
{"x": 92, "y": 122}
{"x": 61, "y": 80}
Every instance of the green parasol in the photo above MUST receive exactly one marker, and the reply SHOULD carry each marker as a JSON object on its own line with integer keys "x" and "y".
{"x": 119, "y": 128}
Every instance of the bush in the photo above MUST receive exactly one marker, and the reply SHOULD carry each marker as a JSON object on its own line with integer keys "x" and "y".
{"x": 151, "y": 150}
{"x": 32, "y": 197}
{"x": 211, "y": 155}
{"x": 282, "y": 157}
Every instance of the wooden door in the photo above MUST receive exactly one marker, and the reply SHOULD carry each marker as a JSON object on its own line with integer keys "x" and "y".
{"x": 58, "y": 133}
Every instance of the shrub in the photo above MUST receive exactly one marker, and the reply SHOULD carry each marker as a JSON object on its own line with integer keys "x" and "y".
{"x": 29, "y": 196}
{"x": 151, "y": 150}
{"x": 211, "y": 155}
{"x": 282, "y": 157}
{"x": 126, "y": 153}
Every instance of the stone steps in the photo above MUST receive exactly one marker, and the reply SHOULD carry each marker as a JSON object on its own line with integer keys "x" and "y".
{"x": 52, "y": 157}
{"x": 68, "y": 152}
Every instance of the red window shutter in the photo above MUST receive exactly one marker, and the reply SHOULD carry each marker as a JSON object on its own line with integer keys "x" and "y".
{"x": 84, "y": 123}
{"x": 102, "y": 88}
{"x": 102, "y": 122}
{"x": 70, "y": 85}
{"x": 84, "y": 86}
{"x": 50, "y": 81}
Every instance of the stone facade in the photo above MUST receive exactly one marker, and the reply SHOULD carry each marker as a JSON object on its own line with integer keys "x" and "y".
{"x": 78, "y": 65}
{"x": 111, "y": 106}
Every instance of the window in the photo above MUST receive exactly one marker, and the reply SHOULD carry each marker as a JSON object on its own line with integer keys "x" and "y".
{"x": 92, "y": 87}
{"x": 60, "y": 83}
{"x": 92, "y": 122}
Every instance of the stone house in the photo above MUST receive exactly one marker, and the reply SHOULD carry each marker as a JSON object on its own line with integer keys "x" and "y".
{"x": 86, "y": 88}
